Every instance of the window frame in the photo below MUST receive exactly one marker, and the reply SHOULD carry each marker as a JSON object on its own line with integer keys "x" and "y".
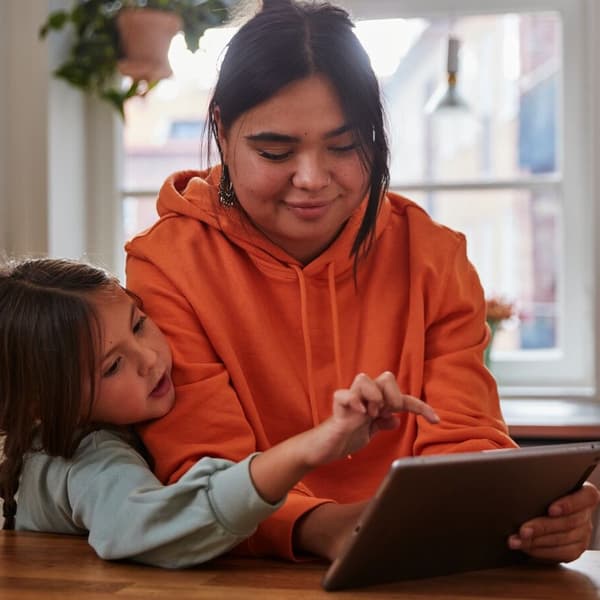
{"x": 571, "y": 373}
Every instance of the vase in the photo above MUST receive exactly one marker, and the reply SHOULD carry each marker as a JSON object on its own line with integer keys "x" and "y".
{"x": 145, "y": 36}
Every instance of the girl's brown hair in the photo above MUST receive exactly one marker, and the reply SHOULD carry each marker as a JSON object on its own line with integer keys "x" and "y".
{"x": 49, "y": 335}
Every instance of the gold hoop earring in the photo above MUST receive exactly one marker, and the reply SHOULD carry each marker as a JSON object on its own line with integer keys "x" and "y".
{"x": 227, "y": 196}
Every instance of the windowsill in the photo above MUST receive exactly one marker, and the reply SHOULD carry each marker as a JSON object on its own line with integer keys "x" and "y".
{"x": 567, "y": 419}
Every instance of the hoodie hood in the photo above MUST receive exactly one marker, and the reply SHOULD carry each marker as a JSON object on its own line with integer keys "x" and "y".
{"x": 194, "y": 194}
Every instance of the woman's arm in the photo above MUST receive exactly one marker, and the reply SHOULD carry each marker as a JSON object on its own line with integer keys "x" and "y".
{"x": 464, "y": 394}
{"x": 324, "y": 530}
{"x": 455, "y": 381}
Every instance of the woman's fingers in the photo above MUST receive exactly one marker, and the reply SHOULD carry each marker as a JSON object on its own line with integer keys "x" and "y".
{"x": 553, "y": 531}
{"x": 587, "y": 497}
{"x": 565, "y": 533}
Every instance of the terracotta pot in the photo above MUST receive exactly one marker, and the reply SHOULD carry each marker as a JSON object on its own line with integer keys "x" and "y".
{"x": 145, "y": 36}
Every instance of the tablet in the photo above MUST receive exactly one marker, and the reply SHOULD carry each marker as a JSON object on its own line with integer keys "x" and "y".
{"x": 436, "y": 515}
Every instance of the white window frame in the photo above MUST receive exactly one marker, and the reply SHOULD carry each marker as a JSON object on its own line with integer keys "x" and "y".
{"x": 570, "y": 371}
{"x": 572, "y": 374}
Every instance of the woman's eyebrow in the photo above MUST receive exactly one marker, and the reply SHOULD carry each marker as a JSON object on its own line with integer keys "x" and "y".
{"x": 272, "y": 136}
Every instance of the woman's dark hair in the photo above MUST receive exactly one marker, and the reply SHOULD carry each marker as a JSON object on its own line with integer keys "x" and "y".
{"x": 288, "y": 41}
{"x": 49, "y": 336}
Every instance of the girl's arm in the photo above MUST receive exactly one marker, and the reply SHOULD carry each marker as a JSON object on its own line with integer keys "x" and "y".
{"x": 358, "y": 413}
{"x": 108, "y": 490}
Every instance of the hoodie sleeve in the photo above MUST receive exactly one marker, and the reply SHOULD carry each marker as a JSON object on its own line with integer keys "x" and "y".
{"x": 455, "y": 381}
{"x": 208, "y": 418}
{"x": 130, "y": 514}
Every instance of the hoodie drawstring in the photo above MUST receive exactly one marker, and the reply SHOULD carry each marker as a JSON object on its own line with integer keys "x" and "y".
{"x": 307, "y": 350}
{"x": 306, "y": 336}
{"x": 335, "y": 323}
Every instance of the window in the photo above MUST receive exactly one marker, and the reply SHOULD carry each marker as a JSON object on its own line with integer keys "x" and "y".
{"x": 509, "y": 171}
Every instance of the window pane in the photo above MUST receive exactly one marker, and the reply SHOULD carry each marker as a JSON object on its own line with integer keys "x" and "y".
{"x": 138, "y": 214}
{"x": 513, "y": 239}
{"x": 508, "y": 76}
{"x": 163, "y": 130}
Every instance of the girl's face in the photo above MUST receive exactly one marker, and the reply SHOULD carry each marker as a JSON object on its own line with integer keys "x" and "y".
{"x": 134, "y": 382}
{"x": 295, "y": 167}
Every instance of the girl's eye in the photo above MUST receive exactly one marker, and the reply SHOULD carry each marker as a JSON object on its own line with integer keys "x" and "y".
{"x": 139, "y": 324}
{"x": 114, "y": 367}
{"x": 274, "y": 156}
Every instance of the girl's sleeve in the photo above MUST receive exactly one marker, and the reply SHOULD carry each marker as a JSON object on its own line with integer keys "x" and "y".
{"x": 130, "y": 514}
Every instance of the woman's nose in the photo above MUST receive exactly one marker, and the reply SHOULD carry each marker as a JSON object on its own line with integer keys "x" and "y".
{"x": 311, "y": 173}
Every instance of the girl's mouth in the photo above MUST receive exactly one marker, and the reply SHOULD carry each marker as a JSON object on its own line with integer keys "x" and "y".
{"x": 162, "y": 387}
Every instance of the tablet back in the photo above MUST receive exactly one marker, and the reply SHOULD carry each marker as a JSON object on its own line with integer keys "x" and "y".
{"x": 436, "y": 515}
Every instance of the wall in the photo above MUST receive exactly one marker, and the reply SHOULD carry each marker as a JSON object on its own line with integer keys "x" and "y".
{"x": 65, "y": 152}
{"x": 24, "y": 143}
{"x": 593, "y": 96}
{"x": 58, "y": 157}
{"x": 3, "y": 123}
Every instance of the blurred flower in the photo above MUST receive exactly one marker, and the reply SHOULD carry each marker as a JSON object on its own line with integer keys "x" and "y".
{"x": 498, "y": 310}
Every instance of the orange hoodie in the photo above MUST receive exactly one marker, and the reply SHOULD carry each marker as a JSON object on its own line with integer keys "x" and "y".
{"x": 260, "y": 342}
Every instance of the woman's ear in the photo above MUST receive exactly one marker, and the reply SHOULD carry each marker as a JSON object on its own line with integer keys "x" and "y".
{"x": 221, "y": 137}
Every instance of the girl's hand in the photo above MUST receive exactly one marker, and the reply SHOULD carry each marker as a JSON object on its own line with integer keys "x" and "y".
{"x": 358, "y": 413}
{"x": 565, "y": 533}
{"x": 361, "y": 411}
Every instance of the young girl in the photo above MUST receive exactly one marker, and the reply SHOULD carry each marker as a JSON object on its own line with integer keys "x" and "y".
{"x": 79, "y": 362}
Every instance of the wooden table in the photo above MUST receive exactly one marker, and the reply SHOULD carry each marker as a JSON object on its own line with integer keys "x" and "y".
{"x": 37, "y": 565}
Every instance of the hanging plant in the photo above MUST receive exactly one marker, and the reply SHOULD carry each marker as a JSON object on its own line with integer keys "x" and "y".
{"x": 102, "y": 50}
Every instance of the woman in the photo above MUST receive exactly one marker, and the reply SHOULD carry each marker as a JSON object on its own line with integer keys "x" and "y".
{"x": 283, "y": 273}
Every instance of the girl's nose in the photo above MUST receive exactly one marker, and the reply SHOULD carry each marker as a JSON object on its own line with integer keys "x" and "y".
{"x": 311, "y": 173}
{"x": 146, "y": 359}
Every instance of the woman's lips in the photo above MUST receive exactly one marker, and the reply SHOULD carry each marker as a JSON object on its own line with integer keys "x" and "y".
{"x": 162, "y": 387}
{"x": 309, "y": 211}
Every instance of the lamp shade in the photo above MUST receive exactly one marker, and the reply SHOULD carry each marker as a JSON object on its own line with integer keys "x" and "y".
{"x": 447, "y": 97}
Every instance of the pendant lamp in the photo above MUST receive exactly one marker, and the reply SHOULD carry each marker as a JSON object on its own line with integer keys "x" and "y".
{"x": 447, "y": 98}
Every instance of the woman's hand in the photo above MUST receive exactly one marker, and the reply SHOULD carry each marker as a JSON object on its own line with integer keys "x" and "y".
{"x": 565, "y": 533}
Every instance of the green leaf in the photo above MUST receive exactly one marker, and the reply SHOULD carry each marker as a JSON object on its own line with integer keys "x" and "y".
{"x": 91, "y": 64}
{"x": 116, "y": 98}
{"x": 56, "y": 20}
